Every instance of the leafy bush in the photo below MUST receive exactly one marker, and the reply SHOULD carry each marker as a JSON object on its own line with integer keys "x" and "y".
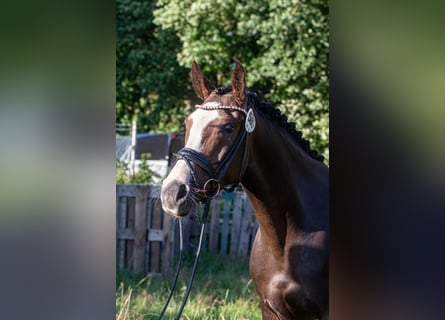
{"x": 126, "y": 174}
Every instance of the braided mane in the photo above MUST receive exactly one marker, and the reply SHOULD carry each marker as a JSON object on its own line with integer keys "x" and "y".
{"x": 275, "y": 114}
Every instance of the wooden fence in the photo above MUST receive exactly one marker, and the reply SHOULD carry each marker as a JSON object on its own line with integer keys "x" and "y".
{"x": 148, "y": 239}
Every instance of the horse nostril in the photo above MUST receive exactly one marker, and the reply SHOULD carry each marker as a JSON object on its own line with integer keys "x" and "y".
{"x": 182, "y": 192}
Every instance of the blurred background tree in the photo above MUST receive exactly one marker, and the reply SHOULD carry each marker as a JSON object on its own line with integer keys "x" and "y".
{"x": 283, "y": 44}
{"x": 150, "y": 84}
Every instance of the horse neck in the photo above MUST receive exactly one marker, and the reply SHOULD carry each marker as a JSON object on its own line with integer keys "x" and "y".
{"x": 287, "y": 188}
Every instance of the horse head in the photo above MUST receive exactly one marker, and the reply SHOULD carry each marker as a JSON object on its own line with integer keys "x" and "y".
{"x": 215, "y": 153}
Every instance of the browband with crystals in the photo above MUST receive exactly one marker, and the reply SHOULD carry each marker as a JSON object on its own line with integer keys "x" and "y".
{"x": 217, "y": 106}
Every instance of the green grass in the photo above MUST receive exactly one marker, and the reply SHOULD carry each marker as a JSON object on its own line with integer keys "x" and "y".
{"x": 222, "y": 290}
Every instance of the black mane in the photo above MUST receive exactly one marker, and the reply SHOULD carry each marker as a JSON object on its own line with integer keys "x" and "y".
{"x": 275, "y": 114}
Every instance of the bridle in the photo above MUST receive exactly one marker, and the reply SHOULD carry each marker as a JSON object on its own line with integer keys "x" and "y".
{"x": 211, "y": 187}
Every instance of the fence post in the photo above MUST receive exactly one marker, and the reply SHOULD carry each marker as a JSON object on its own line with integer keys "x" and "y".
{"x": 140, "y": 222}
{"x": 246, "y": 229}
{"x": 121, "y": 224}
{"x": 236, "y": 223}
{"x": 214, "y": 225}
{"x": 167, "y": 244}
{"x": 228, "y": 197}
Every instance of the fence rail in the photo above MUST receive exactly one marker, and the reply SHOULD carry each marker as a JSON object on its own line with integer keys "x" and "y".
{"x": 148, "y": 239}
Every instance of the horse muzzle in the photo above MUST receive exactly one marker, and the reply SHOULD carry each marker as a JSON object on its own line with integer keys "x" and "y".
{"x": 176, "y": 198}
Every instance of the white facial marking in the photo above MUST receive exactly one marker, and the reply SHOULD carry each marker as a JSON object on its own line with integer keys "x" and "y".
{"x": 201, "y": 119}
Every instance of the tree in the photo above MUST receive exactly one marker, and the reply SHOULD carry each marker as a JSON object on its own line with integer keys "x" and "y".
{"x": 282, "y": 43}
{"x": 150, "y": 85}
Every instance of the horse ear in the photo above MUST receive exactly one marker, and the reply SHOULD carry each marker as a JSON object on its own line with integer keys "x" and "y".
{"x": 239, "y": 84}
{"x": 202, "y": 86}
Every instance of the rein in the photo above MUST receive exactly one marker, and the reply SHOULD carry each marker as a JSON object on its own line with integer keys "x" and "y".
{"x": 210, "y": 189}
{"x": 195, "y": 263}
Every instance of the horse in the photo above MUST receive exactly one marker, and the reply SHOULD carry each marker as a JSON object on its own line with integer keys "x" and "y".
{"x": 232, "y": 138}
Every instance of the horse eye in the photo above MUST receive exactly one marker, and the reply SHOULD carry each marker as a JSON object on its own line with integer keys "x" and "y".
{"x": 229, "y": 128}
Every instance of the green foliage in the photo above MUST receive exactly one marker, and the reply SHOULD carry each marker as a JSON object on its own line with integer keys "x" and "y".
{"x": 222, "y": 289}
{"x": 283, "y": 44}
{"x": 150, "y": 85}
{"x": 125, "y": 174}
